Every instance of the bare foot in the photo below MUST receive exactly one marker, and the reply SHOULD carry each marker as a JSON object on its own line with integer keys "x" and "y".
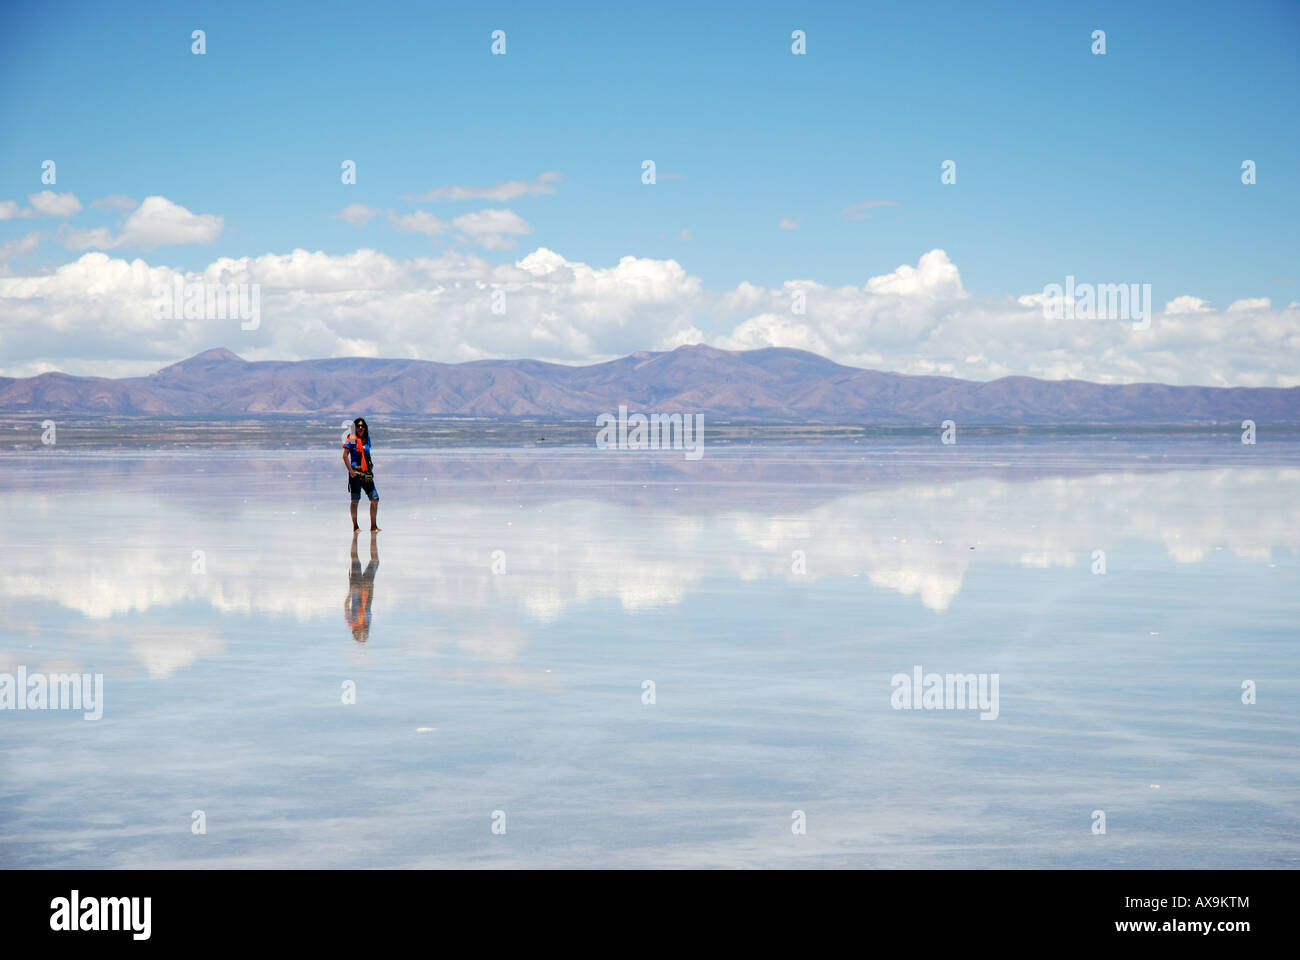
{"x": 375, "y": 529}
{"x": 356, "y": 530}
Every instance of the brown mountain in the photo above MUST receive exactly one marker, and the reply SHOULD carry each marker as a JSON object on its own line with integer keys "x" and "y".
{"x": 769, "y": 385}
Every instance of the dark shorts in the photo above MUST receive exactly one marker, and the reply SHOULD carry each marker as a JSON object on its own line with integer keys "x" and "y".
{"x": 356, "y": 485}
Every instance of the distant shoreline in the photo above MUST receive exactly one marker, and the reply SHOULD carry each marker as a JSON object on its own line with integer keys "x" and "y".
{"x": 317, "y": 432}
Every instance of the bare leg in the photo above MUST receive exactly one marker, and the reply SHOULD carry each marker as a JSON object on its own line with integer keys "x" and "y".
{"x": 374, "y": 512}
{"x": 355, "y": 528}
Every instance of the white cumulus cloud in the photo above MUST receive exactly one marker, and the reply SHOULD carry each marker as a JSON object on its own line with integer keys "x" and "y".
{"x": 419, "y": 222}
{"x": 95, "y": 315}
{"x": 158, "y": 222}
{"x": 51, "y": 204}
{"x": 47, "y": 203}
{"x": 493, "y": 229}
{"x": 315, "y": 304}
{"x": 920, "y": 320}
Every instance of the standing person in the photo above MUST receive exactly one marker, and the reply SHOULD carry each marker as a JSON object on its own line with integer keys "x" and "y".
{"x": 356, "y": 457}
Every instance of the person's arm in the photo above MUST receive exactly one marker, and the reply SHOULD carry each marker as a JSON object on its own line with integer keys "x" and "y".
{"x": 347, "y": 461}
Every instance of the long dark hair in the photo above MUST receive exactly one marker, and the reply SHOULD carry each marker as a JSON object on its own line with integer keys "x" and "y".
{"x": 358, "y": 425}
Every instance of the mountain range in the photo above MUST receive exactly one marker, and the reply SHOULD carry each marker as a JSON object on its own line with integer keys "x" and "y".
{"x": 775, "y": 385}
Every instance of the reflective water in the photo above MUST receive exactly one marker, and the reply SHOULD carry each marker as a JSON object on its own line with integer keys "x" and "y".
{"x": 499, "y": 634}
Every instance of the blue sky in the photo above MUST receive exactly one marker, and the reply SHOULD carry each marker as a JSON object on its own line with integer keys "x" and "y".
{"x": 1123, "y": 167}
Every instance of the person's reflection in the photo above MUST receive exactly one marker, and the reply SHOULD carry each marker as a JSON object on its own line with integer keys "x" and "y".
{"x": 361, "y": 588}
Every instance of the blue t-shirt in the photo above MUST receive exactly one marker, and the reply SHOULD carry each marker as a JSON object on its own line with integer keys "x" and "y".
{"x": 356, "y": 455}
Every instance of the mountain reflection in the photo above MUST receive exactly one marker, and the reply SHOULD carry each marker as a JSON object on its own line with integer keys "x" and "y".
{"x": 571, "y": 532}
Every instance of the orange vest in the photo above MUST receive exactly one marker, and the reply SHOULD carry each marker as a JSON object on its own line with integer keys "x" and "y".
{"x": 361, "y": 451}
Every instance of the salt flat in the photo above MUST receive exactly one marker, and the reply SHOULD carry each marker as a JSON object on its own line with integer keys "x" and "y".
{"x": 523, "y": 597}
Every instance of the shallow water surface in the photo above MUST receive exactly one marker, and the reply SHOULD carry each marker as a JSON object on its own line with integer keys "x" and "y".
{"x": 520, "y": 602}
